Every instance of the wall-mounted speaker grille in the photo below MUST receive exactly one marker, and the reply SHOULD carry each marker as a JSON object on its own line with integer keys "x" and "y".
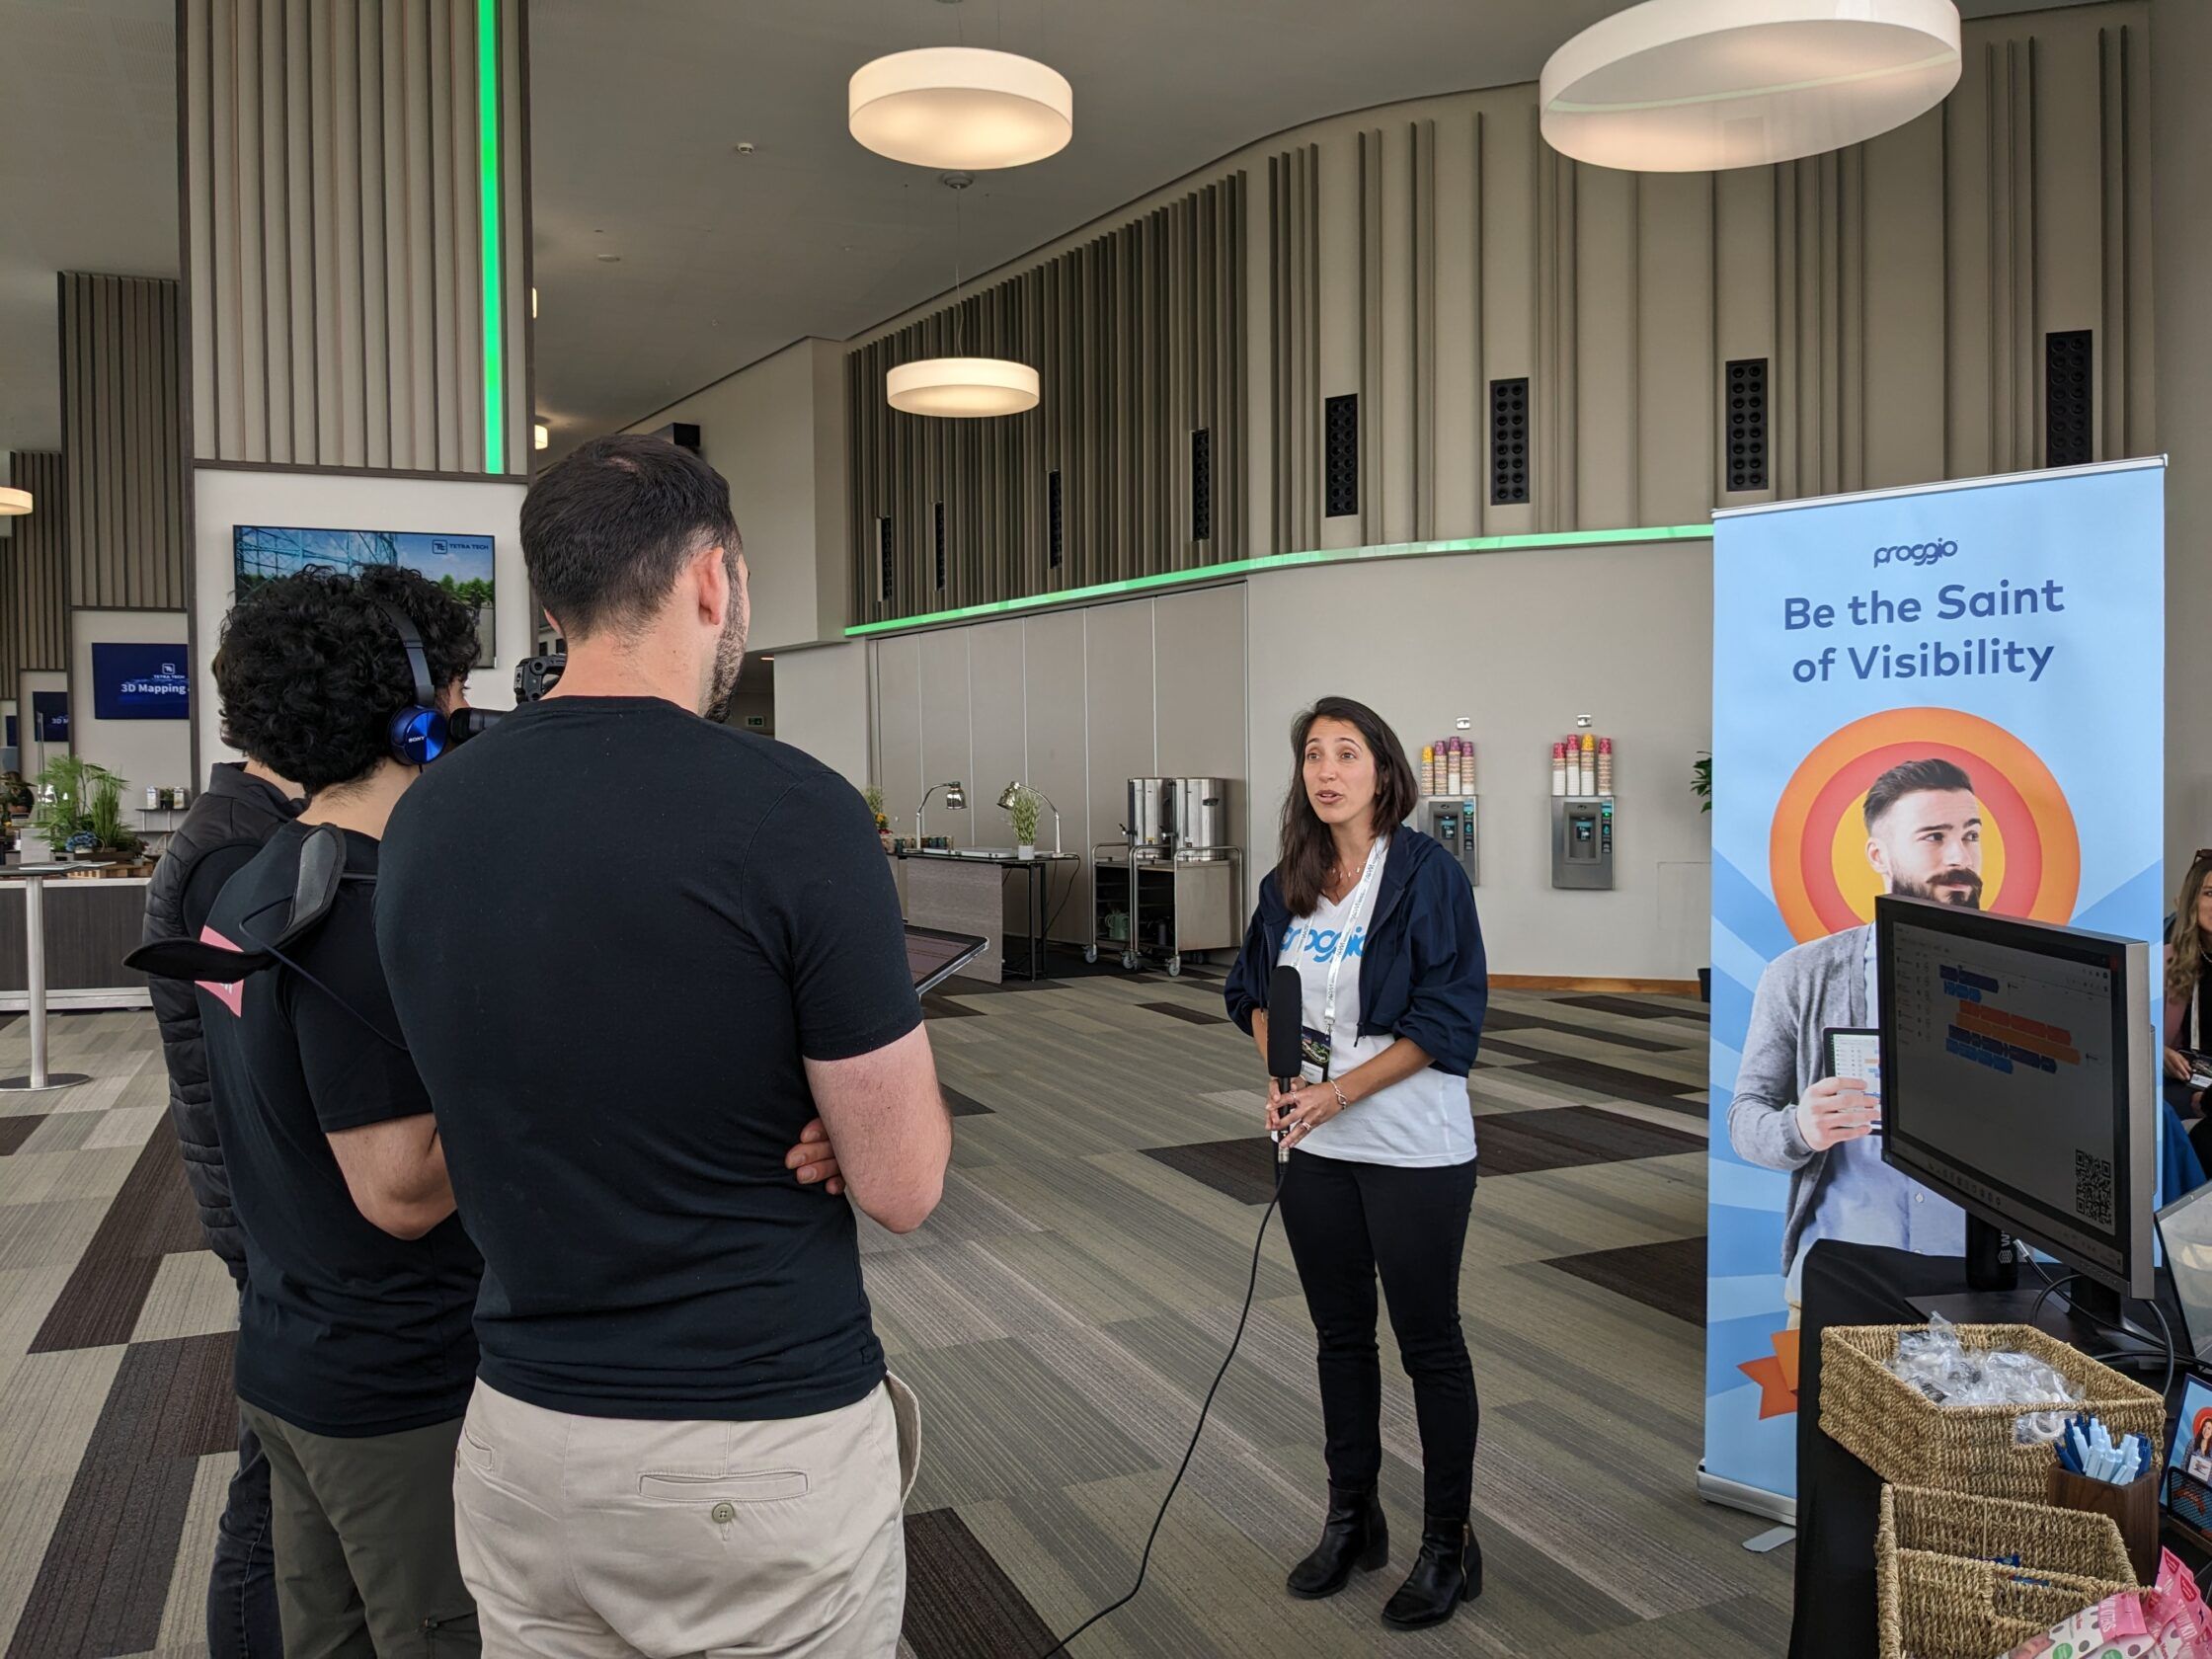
{"x": 1340, "y": 456}
{"x": 2068, "y": 416}
{"x": 940, "y": 541}
{"x": 1747, "y": 423}
{"x": 1202, "y": 483}
{"x": 1056, "y": 532}
{"x": 1509, "y": 442}
{"x": 887, "y": 567}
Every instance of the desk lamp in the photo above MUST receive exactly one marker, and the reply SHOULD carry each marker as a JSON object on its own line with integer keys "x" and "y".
{"x": 956, "y": 797}
{"x": 1006, "y": 804}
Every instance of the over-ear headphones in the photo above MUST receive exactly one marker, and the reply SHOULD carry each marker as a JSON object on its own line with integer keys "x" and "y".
{"x": 418, "y": 734}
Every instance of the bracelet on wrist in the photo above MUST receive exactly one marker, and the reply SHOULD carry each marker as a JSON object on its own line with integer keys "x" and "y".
{"x": 1342, "y": 1104}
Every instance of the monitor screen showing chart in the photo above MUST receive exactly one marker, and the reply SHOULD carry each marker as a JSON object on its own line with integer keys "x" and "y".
{"x": 2015, "y": 1077}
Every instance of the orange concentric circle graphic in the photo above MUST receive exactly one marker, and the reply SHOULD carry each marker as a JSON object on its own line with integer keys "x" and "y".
{"x": 2031, "y": 856}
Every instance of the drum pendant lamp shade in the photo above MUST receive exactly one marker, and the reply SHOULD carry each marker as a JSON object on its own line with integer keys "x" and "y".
{"x": 962, "y": 387}
{"x": 960, "y": 107}
{"x": 1688, "y": 86}
{"x": 14, "y": 502}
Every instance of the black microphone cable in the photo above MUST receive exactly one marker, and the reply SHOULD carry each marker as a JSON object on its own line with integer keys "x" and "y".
{"x": 1251, "y": 1284}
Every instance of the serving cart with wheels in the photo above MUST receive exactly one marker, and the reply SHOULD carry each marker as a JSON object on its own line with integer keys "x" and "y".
{"x": 1157, "y": 910}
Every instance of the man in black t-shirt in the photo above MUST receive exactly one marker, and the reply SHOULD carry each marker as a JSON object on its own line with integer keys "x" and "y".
{"x": 356, "y": 1353}
{"x": 680, "y": 1440}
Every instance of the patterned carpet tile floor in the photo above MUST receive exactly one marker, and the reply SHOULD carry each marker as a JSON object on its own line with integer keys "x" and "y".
{"x": 1061, "y": 1317}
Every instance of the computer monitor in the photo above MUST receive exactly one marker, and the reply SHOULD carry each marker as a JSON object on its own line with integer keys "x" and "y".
{"x": 2017, "y": 1079}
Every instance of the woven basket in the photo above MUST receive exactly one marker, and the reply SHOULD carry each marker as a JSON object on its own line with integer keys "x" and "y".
{"x": 1942, "y": 1596}
{"x": 1909, "y": 1440}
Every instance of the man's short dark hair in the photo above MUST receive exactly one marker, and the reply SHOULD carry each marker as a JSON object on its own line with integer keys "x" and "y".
{"x": 606, "y": 529}
{"x": 1911, "y": 777}
{"x": 310, "y": 671}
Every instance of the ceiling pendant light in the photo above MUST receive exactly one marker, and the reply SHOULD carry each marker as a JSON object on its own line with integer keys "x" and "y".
{"x": 960, "y": 107}
{"x": 961, "y": 388}
{"x": 14, "y": 502}
{"x": 1690, "y": 85}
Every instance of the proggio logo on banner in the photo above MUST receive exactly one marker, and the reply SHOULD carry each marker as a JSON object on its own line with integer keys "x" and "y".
{"x": 1915, "y": 553}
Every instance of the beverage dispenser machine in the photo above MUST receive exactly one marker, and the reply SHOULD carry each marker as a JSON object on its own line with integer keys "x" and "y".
{"x": 1582, "y": 841}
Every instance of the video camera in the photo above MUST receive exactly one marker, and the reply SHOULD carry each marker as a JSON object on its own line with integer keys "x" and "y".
{"x": 536, "y": 676}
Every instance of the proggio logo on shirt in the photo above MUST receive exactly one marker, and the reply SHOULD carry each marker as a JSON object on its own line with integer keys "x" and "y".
{"x": 1323, "y": 943}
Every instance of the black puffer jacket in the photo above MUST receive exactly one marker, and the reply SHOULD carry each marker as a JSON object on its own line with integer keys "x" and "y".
{"x": 238, "y": 812}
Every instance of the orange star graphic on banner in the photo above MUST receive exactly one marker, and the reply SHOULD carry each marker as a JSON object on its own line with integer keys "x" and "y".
{"x": 1776, "y": 1377}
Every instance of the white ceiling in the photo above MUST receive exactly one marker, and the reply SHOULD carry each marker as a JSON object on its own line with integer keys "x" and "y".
{"x": 637, "y": 108}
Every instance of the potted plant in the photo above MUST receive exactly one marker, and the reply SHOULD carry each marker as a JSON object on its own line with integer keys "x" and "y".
{"x": 874, "y": 797}
{"x": 80, "y": 809}
{"x": 1023, "y": 810}
{"x": 105, "y": 816}
{"x": 1700, "y": 785}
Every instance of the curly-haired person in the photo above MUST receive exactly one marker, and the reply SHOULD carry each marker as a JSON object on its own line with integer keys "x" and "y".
{"x": 356, "y": 1351}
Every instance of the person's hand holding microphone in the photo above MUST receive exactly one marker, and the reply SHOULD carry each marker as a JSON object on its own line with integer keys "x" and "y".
{"x": 1295, "y": 1107}
{"x": 1836, "y": 1110}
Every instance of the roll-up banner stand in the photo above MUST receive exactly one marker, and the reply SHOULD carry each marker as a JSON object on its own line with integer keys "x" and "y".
{"x": 1987, "y": 655}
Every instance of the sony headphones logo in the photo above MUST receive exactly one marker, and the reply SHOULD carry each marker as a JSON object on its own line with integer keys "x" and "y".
{"x": 1915, "y": 553}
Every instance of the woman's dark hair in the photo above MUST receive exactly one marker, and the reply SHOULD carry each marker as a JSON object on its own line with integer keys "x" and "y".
{"x": 310, "y": 671}
{"x": 1308, "y": 848}
{"x": 606, "y": 529}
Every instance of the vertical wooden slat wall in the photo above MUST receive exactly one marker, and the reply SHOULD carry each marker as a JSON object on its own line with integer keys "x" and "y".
{"x": 34, "y": 569}
{"x": 333, "y": 210}
{"x": 1137, "y": 337}
{"x": 1900, "y": 291}
{"x": 123, "y": 441}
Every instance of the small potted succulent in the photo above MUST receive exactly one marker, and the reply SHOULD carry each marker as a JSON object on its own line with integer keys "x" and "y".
{"x": 1023, "y": 810}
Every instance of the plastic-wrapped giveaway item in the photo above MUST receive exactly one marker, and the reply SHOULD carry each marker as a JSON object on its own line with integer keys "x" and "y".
{"x": 2168, "y": 1622}
{"x": 1940, "y": 1365}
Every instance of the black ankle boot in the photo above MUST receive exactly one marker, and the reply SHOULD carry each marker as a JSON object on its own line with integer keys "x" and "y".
{"x": 1355, "y": 1535}
{"x": 1446, "y": 1572}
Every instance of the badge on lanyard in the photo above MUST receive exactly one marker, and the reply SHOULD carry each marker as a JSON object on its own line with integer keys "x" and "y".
{"x": 1318, "y": 1048}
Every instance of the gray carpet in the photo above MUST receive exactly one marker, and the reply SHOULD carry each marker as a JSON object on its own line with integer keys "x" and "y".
{"x": 1061, "y": 1317}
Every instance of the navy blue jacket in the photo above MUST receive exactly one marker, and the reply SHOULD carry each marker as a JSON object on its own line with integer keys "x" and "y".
{"x": 1423, "y": 976}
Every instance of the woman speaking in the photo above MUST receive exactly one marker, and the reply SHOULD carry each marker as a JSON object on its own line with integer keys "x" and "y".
{"x": 1380, "y": 922}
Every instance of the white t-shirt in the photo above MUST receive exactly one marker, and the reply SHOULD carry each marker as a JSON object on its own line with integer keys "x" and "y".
{"x": 1419, "y": 1122}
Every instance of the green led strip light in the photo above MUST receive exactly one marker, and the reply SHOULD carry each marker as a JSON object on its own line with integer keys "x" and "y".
{"x": 488, "y": 216}
{"x": 1287, "y": 561}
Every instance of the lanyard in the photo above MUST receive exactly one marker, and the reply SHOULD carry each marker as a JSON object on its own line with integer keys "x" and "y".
{"x": 1336, "y": 963}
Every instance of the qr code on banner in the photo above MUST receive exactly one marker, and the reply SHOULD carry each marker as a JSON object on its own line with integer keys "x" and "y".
{"x": 2092, "y": 1188}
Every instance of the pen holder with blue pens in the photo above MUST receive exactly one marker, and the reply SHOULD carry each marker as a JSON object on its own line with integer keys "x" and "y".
{"x": 2094, "y": 1473}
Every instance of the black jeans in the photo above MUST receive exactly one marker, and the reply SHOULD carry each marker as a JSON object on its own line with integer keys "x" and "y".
{"x": 242, "y": 1618}
{"x": 1347, "y": 1223}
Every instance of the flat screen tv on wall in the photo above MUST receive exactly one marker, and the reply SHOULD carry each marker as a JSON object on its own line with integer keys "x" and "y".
{"x": 461, "y": 564}
{"x": 140, "y": 682}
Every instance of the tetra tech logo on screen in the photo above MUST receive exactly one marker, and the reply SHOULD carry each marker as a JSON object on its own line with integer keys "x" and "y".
{"x": 2031, "y": 853}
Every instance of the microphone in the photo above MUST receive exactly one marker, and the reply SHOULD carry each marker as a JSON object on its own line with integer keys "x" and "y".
{"x": 1286, "y": 1024}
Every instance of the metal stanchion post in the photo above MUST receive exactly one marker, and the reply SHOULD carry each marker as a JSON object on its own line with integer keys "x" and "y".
{"x": 35, "y": 948}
